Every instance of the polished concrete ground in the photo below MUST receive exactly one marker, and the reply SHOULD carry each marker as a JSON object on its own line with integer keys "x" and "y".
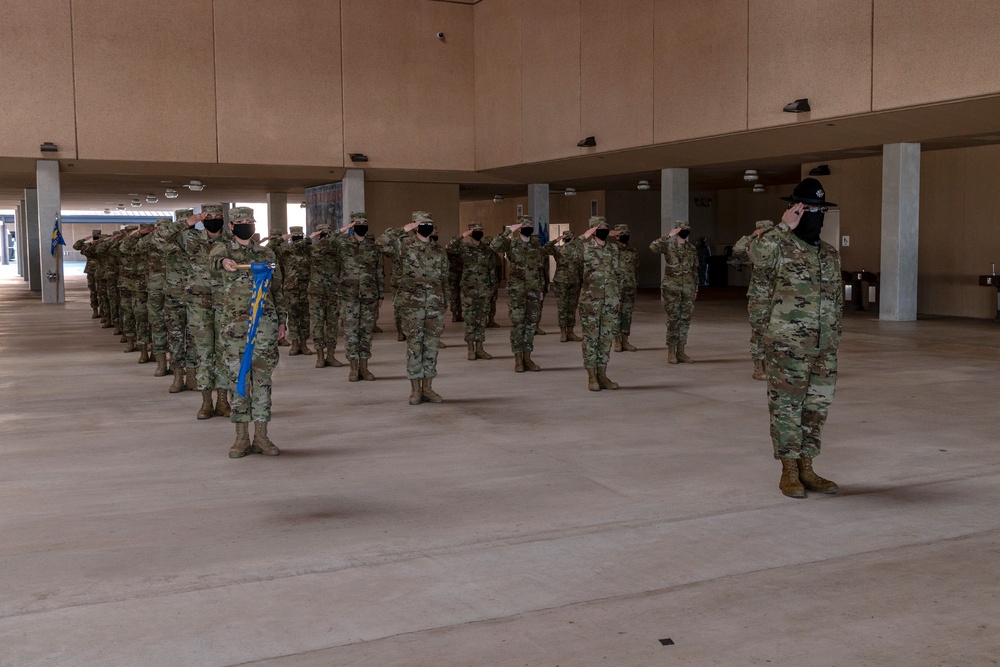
{"x": 525, "y": 521}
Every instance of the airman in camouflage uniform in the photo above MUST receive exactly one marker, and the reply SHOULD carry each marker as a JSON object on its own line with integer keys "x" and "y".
{"x": 526, "y": 286}
{"x": 106, "y": 276}
{"x": 155, "y": 285}
{"x": 455, "y": 268}
{"x": 324, "y": 311}
{"x": 361, "y": 292}
{"x": 476, "y": 285}
{"x": 127, "y": 287}
{"x": 758, "y": 298}
{"x": 496, "y": 265}
{"x": 422, "y": 298}
{"x": 293, "y": 257}
{"x": 567, "y": 284}
{"x": 679, "y": 288}
{"x": 599, "y": 259}
{"x": 630, "y": 284}
{"x": 802, "y": 335}
{"x": 237, "y": 286}
{"x": 134, "y": 267}
{"x": 176, "y": 275}
{"x": 84, "y": 247}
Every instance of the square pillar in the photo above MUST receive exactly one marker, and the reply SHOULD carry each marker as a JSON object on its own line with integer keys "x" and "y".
{"x": 900, "y": 232}
{"x": 354, "y": 194}
{"x": 34, "y": 266}
{"x": 277, "y": 211}
{"x": 53, "y": 286}
{"x": 675, "y": 203}
{"x": 538, "y": 209}
{"x": 21, "y": 226}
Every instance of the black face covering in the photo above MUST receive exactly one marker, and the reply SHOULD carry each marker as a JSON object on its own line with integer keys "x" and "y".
{"x": 809, "y": 226}
{"x": 602, "y": 233}
{"x": 297, "y": 237}
{"x": 623, "y": 238}
{"x": 477, "y": 234}
{"x": 425, "y": 229}
{"x": 360, "y": 230}
{"x": 243, "y": 231}
{"x": 684, "y": 233}
{"x": 214, "y": 225}
{"x": 526, "y": 231}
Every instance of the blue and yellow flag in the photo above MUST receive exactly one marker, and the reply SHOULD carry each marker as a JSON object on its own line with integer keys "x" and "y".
{"x": 262, "y": 272}
{"x": 57, "y": 238}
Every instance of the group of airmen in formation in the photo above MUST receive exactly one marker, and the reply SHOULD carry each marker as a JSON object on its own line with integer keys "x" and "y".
{"x": 178, "y": 292}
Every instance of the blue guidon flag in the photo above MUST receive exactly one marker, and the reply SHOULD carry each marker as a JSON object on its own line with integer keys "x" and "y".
{"x": 262, "y": 272}
{"x": 57, "y": 238}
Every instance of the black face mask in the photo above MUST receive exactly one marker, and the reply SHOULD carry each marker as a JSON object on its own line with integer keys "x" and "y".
{"x": 425, "y": 229}
{"x": 477, "y": 234}
{"x": 434, "y": 238}
{"x": 360, "y": 230}
{"x": 684, "y": 233}
{"x": 602, "y": 233}
{"x": 297, "y": 237}
{"x": 214, "y": 225}
{"x": 809, "y": 226}
{"x": 526, "y": 231}
{"x": 623, "y": 238}
{"x": 243, "y": 231}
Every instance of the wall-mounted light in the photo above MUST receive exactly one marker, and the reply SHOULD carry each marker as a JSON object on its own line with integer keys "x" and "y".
{"x": 758, "y": 188}
{"x": 497, "y": 199}
{"x": 798, "y": 106}
{"x": 750, "y": 175}
{"x": 358, "y": 157}
{"x": 48, "y": 147}
{"x": 643, "y": 185}
{"x": 589, "y": 142}
{"x": 569, "y": 192}
{"x": 821, "y": 170}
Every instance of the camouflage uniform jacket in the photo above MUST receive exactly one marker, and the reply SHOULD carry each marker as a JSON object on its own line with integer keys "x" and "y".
{"x": 600, "y": 269}
{"x": 156, "y": 275}
{"x": 567, "y": 263}
{"x": 177, "y": 267}
{"x": 324, "y": 264}
{"x": 808, "y": 300}
{"x": 238, "y": 285}
{"x": 85, "y": 249}
{"x": 360, "y": 264}
{"x": 761, "y": 278}
{"x": 681, "y": 258}
{"x": 527, "y": 262}
{"x": 133, "y": 263}
{"x": 629, "y": 262}
{"x": 198, "y": 246}
{"x": 423, "y": 267}
{"x": 293, "y": 256}
{"x": 477, "y": 263}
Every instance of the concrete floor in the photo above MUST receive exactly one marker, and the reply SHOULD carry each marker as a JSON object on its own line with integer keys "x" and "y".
{"x": 525, "y": 521}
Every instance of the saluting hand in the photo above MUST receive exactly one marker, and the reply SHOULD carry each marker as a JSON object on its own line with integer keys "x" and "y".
{"x": 793, "y": 216}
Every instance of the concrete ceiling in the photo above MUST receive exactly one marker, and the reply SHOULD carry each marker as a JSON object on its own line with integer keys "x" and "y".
{"x": 714, "y": 162}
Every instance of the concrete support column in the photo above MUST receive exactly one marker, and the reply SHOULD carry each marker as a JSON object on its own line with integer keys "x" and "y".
{"x": 900, "y": 232}
{"x": 674, "y": 200}
{"x": 277, "y": 211}
{"x": 49, "y": 210}
{"x": 354, "y": 194}
{"x": 21, "y": 225}
{"x": 34, "y": 265}
{"x": 4, "y": 259}
{"x": 538, "y": 209}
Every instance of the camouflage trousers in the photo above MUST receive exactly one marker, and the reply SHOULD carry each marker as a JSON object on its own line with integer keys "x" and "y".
{"x": 125, "y": 301}
{"x": 92, "y": 288}
{"x": 494, "y": 295}
{"x": 256, "y": 405}
{"x": 203, "y": 335}
{"x": 324, "y": 314}
{"x": 157, "y": 322}
{"x": 359, "y": 312}
{"x": 423, "y": 324}
{"x": 568, "y": 300}
{"x": 103, "y": 301}
{"x": 140, "y": 310}
{"x": 800, "y": 387}
{"x": 599, "y": 320}
{"x": 455, "y": 284}
{"x": 175, "y": 320}
{"x": 760, "y": 316}
{"x": 111, "y": 295}
{"x": 625, "y": 315}
{"x": 297, "y": 305}
{"x": 525, "y": 310}
{"x": 678, "y": 303}
{"x": 396, "y": 316}
{"x": 475, "y": 310}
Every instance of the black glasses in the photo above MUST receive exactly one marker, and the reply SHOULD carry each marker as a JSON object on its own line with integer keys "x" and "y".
{"x": 811, "y": 209}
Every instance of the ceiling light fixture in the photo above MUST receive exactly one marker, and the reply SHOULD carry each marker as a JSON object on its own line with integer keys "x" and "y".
{"x": 569, "y": 192}
{"x": 171, "y": 193}
{"x": 152, "y": 199}
{"x": 136, "y": 203}
{"x": 497, "y": 199}
{"x": 758, "y": 188}
{"x": 643, "y": 185}
{"x": 194, "y": 186}
{"x": 750, "y": 175}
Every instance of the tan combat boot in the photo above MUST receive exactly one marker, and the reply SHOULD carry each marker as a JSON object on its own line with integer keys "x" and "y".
{"x": 106, "y": 323}
{"x": 363, "y": 371}
{"x": 304, "y": 348}
{"x": 592, "y": 383}
{"x": 441, "y": 344}
{"x": 789, "y": 482}
{"x": 332, "y": 360}
{"x": 261, "y": 443}
{"x": 672, "y": 354}
{"x": 144, "y": 353}
{"x": 416, "y": 392}
{"x": 400, "y": 336}
{"x": 758, "y": 371}
{"x": 471, "y": 353}
{"x": 562, "y": 335}
{"x": 492, "y": 323}
{"x": 283, "y": 342}
{"x": 429, "y": 394}
{"x": 161, "y": 365}
{"x": 191, "y": 379}
{"x": 538, "y": 330}
{"x": 129, "y": 344}
{"x": 530, "y": 365}
{"x": 811, "y": 480}
{"x": 295, "y": 349}
{"x": 481, "y": 353}
{"x": 118, "y": 332}
{"x": 681, "y": 357}
{"x": 222, "y": 407}
{"x": 570, "y": 336}
{"x": 207, "y": 411}
{"x": 320, "y": 358}
{"x": 518, "y": 362}
{"x": 95, "y": 315}
{"x": 241, "y": 447}
{"x": 377, "y": 329}
{"x": 602, "y": 378}
{"x": 617, "y": 347}
{"x": 627, "y": 346}
{"x": 352, "y": 376}
{"x": 178, "y": 385}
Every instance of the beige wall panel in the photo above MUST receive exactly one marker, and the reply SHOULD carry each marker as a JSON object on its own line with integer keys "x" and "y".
{"x": 391, "y": 205}
{"x": 929, "y": 50}
{"x": 408, "y": 96}
{"x": 145, "y": 80}
{"x": 550, "y": 80}
{"x": 36, "y": 79}
{"x": 494, "y": 217}
{"x": 575, "y": 211}
{"x": 498, "y": 83}
{"x": 616, "y": 72}
{"x": 856, "y": 186}
{"x": 980, "y": 235}
{"x": 279, "y": 92}
{"x": 641, "y": 212}
{"x": 943, "y": 237}
{"x": 819, "y": 49}
{"x": 701, "y": 73}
